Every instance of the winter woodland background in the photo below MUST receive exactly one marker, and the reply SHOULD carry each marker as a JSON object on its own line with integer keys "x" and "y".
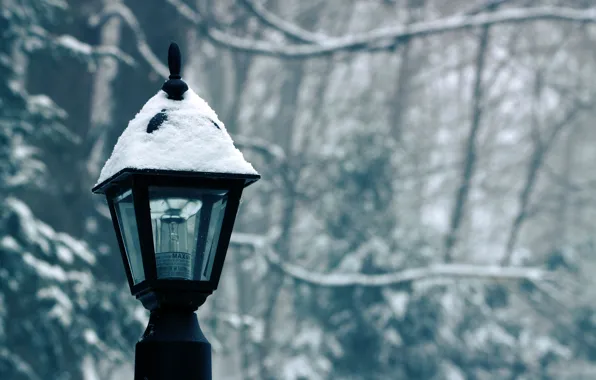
{"x": 428, "y": 196}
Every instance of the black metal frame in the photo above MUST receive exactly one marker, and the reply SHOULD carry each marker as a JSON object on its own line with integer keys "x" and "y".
{"x": 151, "y": 291}
{"x": 110, "y": 197}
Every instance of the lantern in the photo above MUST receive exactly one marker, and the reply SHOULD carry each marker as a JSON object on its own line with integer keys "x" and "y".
{"x": 173, "y": 185}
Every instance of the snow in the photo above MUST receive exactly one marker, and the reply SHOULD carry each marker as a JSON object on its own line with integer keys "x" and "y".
{"x": 64, "y": 254}
{"x": 397, "y": 301}
{"x": 141, "y": 315}
{"x": 44, "y": 269}
{"x": 187, "y": 141}
{"x": 88, "y": 368}
{"x": 9, "y": 243}
{"x": 73, "y": 44}
{"x": 32, "y": 230}
{"x": 63, "y": 308}
{"x": 299, "y": 367}
{"x": 27, "y": 226}
{"x": 90, "y": 337}
{"x": 77, "y": 247}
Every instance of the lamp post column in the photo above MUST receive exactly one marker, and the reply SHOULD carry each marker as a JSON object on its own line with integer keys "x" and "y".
{"x": 173, "y": 347}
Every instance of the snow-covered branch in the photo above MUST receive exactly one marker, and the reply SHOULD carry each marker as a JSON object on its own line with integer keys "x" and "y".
{"x": 120, "y": 10}
{"x": 316, "y": 45}
{"x": 408, "y": 275}
{"x": 185, "y": 11}
{"x": 78, "y": 48}
{"x": 491, "y": 272}
{"x": 289, "y": 29}
{"x": 384, "y": 38}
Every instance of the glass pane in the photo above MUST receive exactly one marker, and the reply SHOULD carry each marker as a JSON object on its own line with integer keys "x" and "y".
{"x": 217, "y": 215}
{"x": 186, "y": 225}
{"x": 127, "y": 221}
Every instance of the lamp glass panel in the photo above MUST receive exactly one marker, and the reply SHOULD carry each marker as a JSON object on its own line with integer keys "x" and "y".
{"x": 186, "y": 225}
{"x": 127, "y": 221}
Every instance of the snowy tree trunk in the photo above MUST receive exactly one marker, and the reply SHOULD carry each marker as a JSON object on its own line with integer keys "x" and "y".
{"x": 102, "y": 98}
{"x": 285, "y": 136}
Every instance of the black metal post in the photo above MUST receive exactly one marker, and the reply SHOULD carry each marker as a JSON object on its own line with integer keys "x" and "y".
{"x": 173, "y": 347}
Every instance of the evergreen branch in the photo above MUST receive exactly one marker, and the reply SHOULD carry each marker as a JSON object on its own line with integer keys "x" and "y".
{"x": 79, "y": 48}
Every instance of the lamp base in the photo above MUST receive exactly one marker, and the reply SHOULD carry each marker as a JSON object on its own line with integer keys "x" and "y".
{"x": 173, "y": 347}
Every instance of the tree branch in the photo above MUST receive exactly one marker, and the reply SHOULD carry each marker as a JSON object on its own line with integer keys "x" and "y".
{"x": 539, "y": 153}
{"x": 405, "y": 276}
{"x": 81, "y": 49}
{"x": 382, "y": 38}
{"x": 120, "y": 10}
{"x": 375, "y": 40}
{"x": 289, "y": 29}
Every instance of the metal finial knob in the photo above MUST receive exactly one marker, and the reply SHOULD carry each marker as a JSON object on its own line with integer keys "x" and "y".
{"x": 174, "y": 61}
{"x": 174, "y": 87}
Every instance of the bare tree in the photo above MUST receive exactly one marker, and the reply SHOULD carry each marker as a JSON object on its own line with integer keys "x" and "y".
{"x": 469, "y": 165}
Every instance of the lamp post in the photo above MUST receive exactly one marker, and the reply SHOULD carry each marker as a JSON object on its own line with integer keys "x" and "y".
{"x": 173, "y": 185}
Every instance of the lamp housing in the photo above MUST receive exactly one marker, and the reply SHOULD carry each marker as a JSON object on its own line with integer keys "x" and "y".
{"x": 173, "y": 230}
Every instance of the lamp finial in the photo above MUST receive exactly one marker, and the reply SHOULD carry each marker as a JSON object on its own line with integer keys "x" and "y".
{"x": 175, "y": 87}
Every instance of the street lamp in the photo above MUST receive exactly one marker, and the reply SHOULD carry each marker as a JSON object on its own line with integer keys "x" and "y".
{"x": 173, "y": 185}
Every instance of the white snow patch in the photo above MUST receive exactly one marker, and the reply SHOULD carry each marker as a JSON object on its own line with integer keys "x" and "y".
{"x": 494, "y": 333}
{"x": 311, "y": 337}
{"x": 26, "y": 218}
{"x": 88, "y": 368}
{"x": 73, "y": 44}
{"x": 46, "y": 231}
{"x": 452, "y": 372}
{"x": 141, "y": 315}
{"x": 397, "y": 301}
{"x": 45, "y": 269}
{"x": 78, "y": 248}
{"x": 90, "y": 337}
{"x": 299, "y": 367}
{"x": 62, "y": 310}
{"x": 64, "y": 254}
{"x": 42, "y": 104}
{"x": 39, "y": 233}
{"x": 9, "y": 243}
{"x": 187, "y": 140}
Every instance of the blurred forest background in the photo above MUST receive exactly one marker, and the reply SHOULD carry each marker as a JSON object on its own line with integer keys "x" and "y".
{"x": 428, "y": 196}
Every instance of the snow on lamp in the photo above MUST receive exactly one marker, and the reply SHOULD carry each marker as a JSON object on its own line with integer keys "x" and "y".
{"x": 173, "y": 185}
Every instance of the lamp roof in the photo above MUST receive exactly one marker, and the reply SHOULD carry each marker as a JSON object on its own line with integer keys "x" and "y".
{"x": 176, "y": 133}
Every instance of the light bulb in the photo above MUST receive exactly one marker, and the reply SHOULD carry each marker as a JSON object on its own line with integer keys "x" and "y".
{"x": 174, "y": 237}
{"x": 173, "y": 258}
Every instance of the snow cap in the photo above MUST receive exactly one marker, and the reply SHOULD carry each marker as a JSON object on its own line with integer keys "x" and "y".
{"x": 181, "y": 135}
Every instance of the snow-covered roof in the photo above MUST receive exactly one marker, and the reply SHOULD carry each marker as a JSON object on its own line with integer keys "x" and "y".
{"x": 191, "y": 138}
